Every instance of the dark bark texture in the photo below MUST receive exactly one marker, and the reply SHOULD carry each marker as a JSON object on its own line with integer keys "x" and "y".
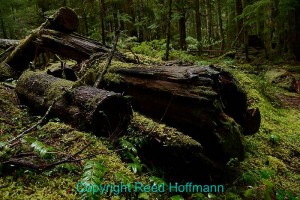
{"x": 87, "y": 108}
{"x": 204, "y": 103}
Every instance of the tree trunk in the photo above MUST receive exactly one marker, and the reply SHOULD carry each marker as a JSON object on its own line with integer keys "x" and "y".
{"x": 239, "y": 23}
{"x": 3, "y": 26}
{"x": 209, "y": 24}
{"x": 85, "y": 21}
{"x": 140, "y": 15}
{"x": 182, "y": 30}
{"x": 201, "y": 102}
{"x": 169, "y": 30}
{"x": 64, "y": 20}
{"x": 297, "y": 45}
{"x": 102, "y": 112}
{"x": 198, "y": 25}
{"x": 73, "y": 46}
{"x": 165, "y": 150}
{"x": 102, "y": 17}
{"x": 221, "y": 25}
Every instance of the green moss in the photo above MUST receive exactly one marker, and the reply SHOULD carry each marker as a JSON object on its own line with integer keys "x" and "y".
{"x": 262, "y": 153}
{"x": 5, "y": 71}
{"x": 60, "y": 182}
{"x": 167, "y": 135}
{"x": 55, "y": 88}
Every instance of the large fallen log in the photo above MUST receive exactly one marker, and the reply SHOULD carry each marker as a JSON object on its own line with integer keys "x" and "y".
{"x": 176, "y": 153}
{"x": 73, "y": 46}
{"x": 65, "y": 20}
{"x": 203, "y": 102}
{"x": 55, "y": 36}
{"x": 87, "y": 108}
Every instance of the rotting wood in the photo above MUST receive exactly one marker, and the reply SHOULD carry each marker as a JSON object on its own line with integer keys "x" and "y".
{"x": 203, "y": 102}
{"x": 65, "y": 20}
{"x": 87, "y": 108}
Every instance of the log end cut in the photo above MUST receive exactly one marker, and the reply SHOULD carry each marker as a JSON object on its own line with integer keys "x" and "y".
{"x": 65, "y": 20}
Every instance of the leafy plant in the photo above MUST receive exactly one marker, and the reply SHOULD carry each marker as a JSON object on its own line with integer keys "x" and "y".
{"x": 177, "y": 197}
{"x": 131, "y": 154}
{"x": 93, "y": 173}
{"x": 41, "y": 148}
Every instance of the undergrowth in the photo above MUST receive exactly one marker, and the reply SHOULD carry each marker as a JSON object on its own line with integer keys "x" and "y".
{"x": 269, "y": 171}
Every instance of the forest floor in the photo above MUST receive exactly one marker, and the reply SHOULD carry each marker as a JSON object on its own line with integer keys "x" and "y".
{"x": 269, "y": 171}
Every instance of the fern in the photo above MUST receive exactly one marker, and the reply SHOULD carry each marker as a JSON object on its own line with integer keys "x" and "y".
{"x": 93, "y": 173}
{"x": 39, "y": 147}
{"x": 128, "y": 145}
{"x": 131, "y": 154}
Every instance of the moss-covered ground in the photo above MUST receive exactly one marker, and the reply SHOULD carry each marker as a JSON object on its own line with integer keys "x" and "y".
{"x": 269, "y": 171}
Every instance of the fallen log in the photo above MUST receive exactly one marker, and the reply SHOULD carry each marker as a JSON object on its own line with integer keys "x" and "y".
{"x": 86, "y": 108}
{"x": 54, "y": 36}
{"x": 74, "y": 46}
{"x": 176, "y": 153}
{"x": 65, "y": 20}
{"x": 203, "y": 102}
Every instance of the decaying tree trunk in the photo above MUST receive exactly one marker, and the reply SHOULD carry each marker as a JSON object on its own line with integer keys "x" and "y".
{"x": 203, "y": 102}
{"x": 87, "y": 108}
{"x": 73, "y": 46}
{"x": 170, "y": 149}
{"x": 65, "y": 20}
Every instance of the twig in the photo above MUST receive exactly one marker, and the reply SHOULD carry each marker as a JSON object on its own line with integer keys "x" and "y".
{"x": 111, "y": 55}
{"x": 135, "y": 56}
{"x": 31, "y": 165}
{"x": 35, "y": 125}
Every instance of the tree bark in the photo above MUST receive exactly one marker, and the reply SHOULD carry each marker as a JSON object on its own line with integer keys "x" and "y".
{"x": 182, "y": 30}
{"x": 102, "y": 112}
{"x": 65, "y": 20}
{"x": 198, "y": 25}
{"x": 201, "y": 102}
{"x": 239, "y": 23}
{"x": 165, "y": 150}
{"x": 209, "y": 24}
{"x": 3, "y": 26}
{"x": 73, "y": 46}
{"x": 221, "y": 25}
{"x": 102, "y": 16}
{"x": 169, "y": 30}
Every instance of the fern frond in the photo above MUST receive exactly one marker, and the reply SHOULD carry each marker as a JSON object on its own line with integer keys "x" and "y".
{"x": 93, "y": 173}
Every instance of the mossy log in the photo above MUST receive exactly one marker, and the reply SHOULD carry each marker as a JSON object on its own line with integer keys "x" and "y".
{"x": 204, "y": 102}
{"x": 86, "y": 108}
{"x": 74, "y": 46}
{"x": 169, "y": 148}
{"x": 65, "y": 20}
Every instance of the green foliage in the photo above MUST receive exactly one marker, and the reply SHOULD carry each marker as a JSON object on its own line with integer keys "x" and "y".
{"x": 155, "y": 48}
{"x": 255, "y": 12}
{"x": 144, "y": 195}
{"x": 131, "y": 154}
{"x": 41, "y": 148}
{"x": 93, "y": 174}
{"x": 177, "y": 197}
